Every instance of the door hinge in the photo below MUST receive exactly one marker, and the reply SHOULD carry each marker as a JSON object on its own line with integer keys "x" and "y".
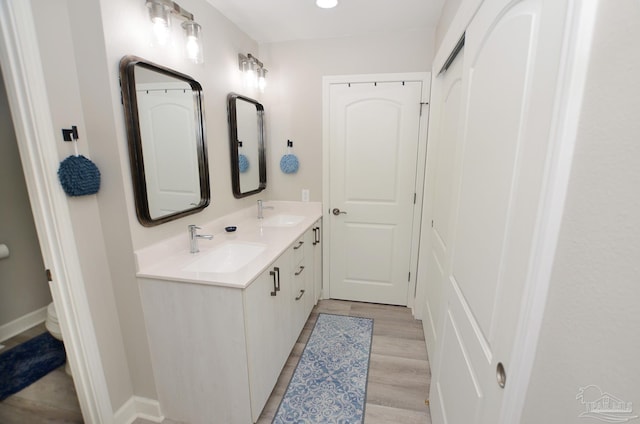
{"x": 432, "y": 223}
{"x": 422, "y": 104}
{"x": 409, "y": 279}
{"x": 48, "y": 272}
{"x": 414, "y": 198}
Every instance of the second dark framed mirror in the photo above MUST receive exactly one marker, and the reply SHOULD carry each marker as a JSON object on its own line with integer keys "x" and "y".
{"x": 167, "y": 148}
{"x": 247, "y": 143}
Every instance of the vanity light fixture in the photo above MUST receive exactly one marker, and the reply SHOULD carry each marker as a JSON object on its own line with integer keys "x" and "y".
{"x": 160, "y": 12}
{"x": 253, "y": 70}
{"x": 326, "y": 4}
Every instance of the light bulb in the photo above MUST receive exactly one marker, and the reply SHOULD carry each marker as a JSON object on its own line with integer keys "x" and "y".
{"x": 262, "y": 81}
{"x": 160, "y": 31}
{"x": 159, "y": 15}
{"x": 194, "y": 41}
{"x": 326, "y": 4}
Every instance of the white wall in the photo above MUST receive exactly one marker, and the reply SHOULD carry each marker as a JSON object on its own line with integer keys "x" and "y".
{"x": 293, "y": 98}
{"x": 127, "y": 31}
{"x": 23, "y": 285}
{"x": 590, "y": 330}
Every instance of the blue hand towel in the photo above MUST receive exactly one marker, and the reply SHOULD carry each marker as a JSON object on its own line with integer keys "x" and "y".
{"x": 243, "y": 163}
{"x": 79, "y": 176}
{"x": 289, "y": 164}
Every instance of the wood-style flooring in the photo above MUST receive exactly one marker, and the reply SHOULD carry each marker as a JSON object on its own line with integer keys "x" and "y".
{"x": 52, "y": 399}
{"x": 397, "y": 388}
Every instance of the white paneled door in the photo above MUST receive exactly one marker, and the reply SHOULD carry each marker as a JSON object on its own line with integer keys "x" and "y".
{"x": 485, "y": 243}
{"x": 373, "y": 130}
{"x": 447, "y": 95}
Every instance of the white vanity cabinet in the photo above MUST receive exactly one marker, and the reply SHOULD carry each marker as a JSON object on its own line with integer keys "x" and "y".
{"x": 217, "y": 351}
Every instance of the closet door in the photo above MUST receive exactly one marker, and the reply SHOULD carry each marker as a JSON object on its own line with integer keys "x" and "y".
{"x": 441, "y": 154}
{"x": 511, "y": 61}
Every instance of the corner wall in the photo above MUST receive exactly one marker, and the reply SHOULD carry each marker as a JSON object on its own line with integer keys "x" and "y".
{"x": 590, "y": 330}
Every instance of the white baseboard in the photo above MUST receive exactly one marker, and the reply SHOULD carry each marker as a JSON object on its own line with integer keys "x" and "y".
{"x": 23, "y": 323}
{"x": 138, "y": 407}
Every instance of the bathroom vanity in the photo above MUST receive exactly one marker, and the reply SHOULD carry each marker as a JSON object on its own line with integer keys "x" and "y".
{"x": 222, "y": 322}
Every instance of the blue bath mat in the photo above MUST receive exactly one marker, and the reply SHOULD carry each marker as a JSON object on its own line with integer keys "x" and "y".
{"x": 28, "y": 362}
{"x": 330, "y": 382}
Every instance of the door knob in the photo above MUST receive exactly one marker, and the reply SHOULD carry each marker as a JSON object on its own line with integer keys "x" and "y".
{"x": 501, "y": 375}
{"x": 337, "y": 211}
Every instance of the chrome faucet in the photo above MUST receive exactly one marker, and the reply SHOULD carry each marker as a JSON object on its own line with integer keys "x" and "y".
{"x": 194, "y": 236}
{"x": 261, "y": 208}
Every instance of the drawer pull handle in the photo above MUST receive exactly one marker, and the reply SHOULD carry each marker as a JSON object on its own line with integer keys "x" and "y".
{"x": 275, "y": 289}
{"x": 300, "y": 243}
{"x": 301, "y": 294}
{"x": 299, "y": 272}
{"x": 277, "y": 270}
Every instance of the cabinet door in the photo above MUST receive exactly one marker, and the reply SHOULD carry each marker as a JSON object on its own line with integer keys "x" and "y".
{"x": 317, "y": 261}
{"x": 309, "y": 273}
{"x": 299, "y": 289}
{"x": 302, "y": 296}
{"x": 268, "y": 330}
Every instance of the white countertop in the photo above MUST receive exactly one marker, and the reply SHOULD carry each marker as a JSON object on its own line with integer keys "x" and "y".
{"x": 166, "y": 260}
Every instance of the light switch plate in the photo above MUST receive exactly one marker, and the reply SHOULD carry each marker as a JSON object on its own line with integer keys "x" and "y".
{"x": 305, "y": 194}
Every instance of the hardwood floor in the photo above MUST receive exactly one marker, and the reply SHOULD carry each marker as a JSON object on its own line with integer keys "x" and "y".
{"x": 52, "y": 399}
{"x": 398, "y": 384}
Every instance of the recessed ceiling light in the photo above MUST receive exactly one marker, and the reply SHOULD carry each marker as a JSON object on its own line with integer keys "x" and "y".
{"x": 326, "y": 4}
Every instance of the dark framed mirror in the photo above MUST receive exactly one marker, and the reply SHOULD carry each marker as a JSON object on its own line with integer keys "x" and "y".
{"x": 247, "y": 142}
{"x": 167, "y": 149}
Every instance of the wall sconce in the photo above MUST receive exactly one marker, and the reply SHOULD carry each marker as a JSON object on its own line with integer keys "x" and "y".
{"x": 253, "y": 70}
{"x": 160, "y": 12}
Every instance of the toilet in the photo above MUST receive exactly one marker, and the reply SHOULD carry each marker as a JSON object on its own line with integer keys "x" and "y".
{"x": 53, "y": 326}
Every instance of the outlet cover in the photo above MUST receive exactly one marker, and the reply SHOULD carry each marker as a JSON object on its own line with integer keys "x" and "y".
{"x": 305, "y": 194}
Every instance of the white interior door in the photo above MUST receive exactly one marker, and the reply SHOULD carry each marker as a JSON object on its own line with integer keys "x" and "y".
{"x": 373, "y": 129}
{"x": 447, "y": 96}
{"x": 510, "y": 68}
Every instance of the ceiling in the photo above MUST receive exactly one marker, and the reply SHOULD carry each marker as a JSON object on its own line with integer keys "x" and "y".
{"x": 269, "y": 21}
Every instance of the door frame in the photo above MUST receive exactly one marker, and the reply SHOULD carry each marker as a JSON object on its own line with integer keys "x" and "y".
{"x": 327, "y": 81}
{"x": 579, "y": 30}
{"x": 31, "y": 115}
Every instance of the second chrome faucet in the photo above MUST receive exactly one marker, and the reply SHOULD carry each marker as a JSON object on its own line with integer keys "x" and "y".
{"x": 261, "y": 208}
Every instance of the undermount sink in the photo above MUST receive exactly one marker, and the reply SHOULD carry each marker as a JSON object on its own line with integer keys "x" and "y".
{"x": 282, "y": 220}
{"x": 226, "y": 258}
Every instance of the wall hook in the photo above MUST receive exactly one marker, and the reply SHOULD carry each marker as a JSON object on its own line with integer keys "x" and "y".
{"x": 70, "y": 134}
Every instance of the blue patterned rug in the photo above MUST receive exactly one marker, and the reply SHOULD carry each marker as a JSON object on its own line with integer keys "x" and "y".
{"x": 28, "y": 362}
{"x": 330, "y": 382}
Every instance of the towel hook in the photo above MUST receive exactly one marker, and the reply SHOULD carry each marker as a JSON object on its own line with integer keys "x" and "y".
{"x": 70, "y": 134}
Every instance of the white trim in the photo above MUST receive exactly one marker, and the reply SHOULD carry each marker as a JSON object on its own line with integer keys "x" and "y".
{"x": 327, "y": 81}
{"x": 578, "y": 35}
{"x": 26, "y": 91}
{"x": 138, "y": 407}
{"x": 22, "y": 323}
